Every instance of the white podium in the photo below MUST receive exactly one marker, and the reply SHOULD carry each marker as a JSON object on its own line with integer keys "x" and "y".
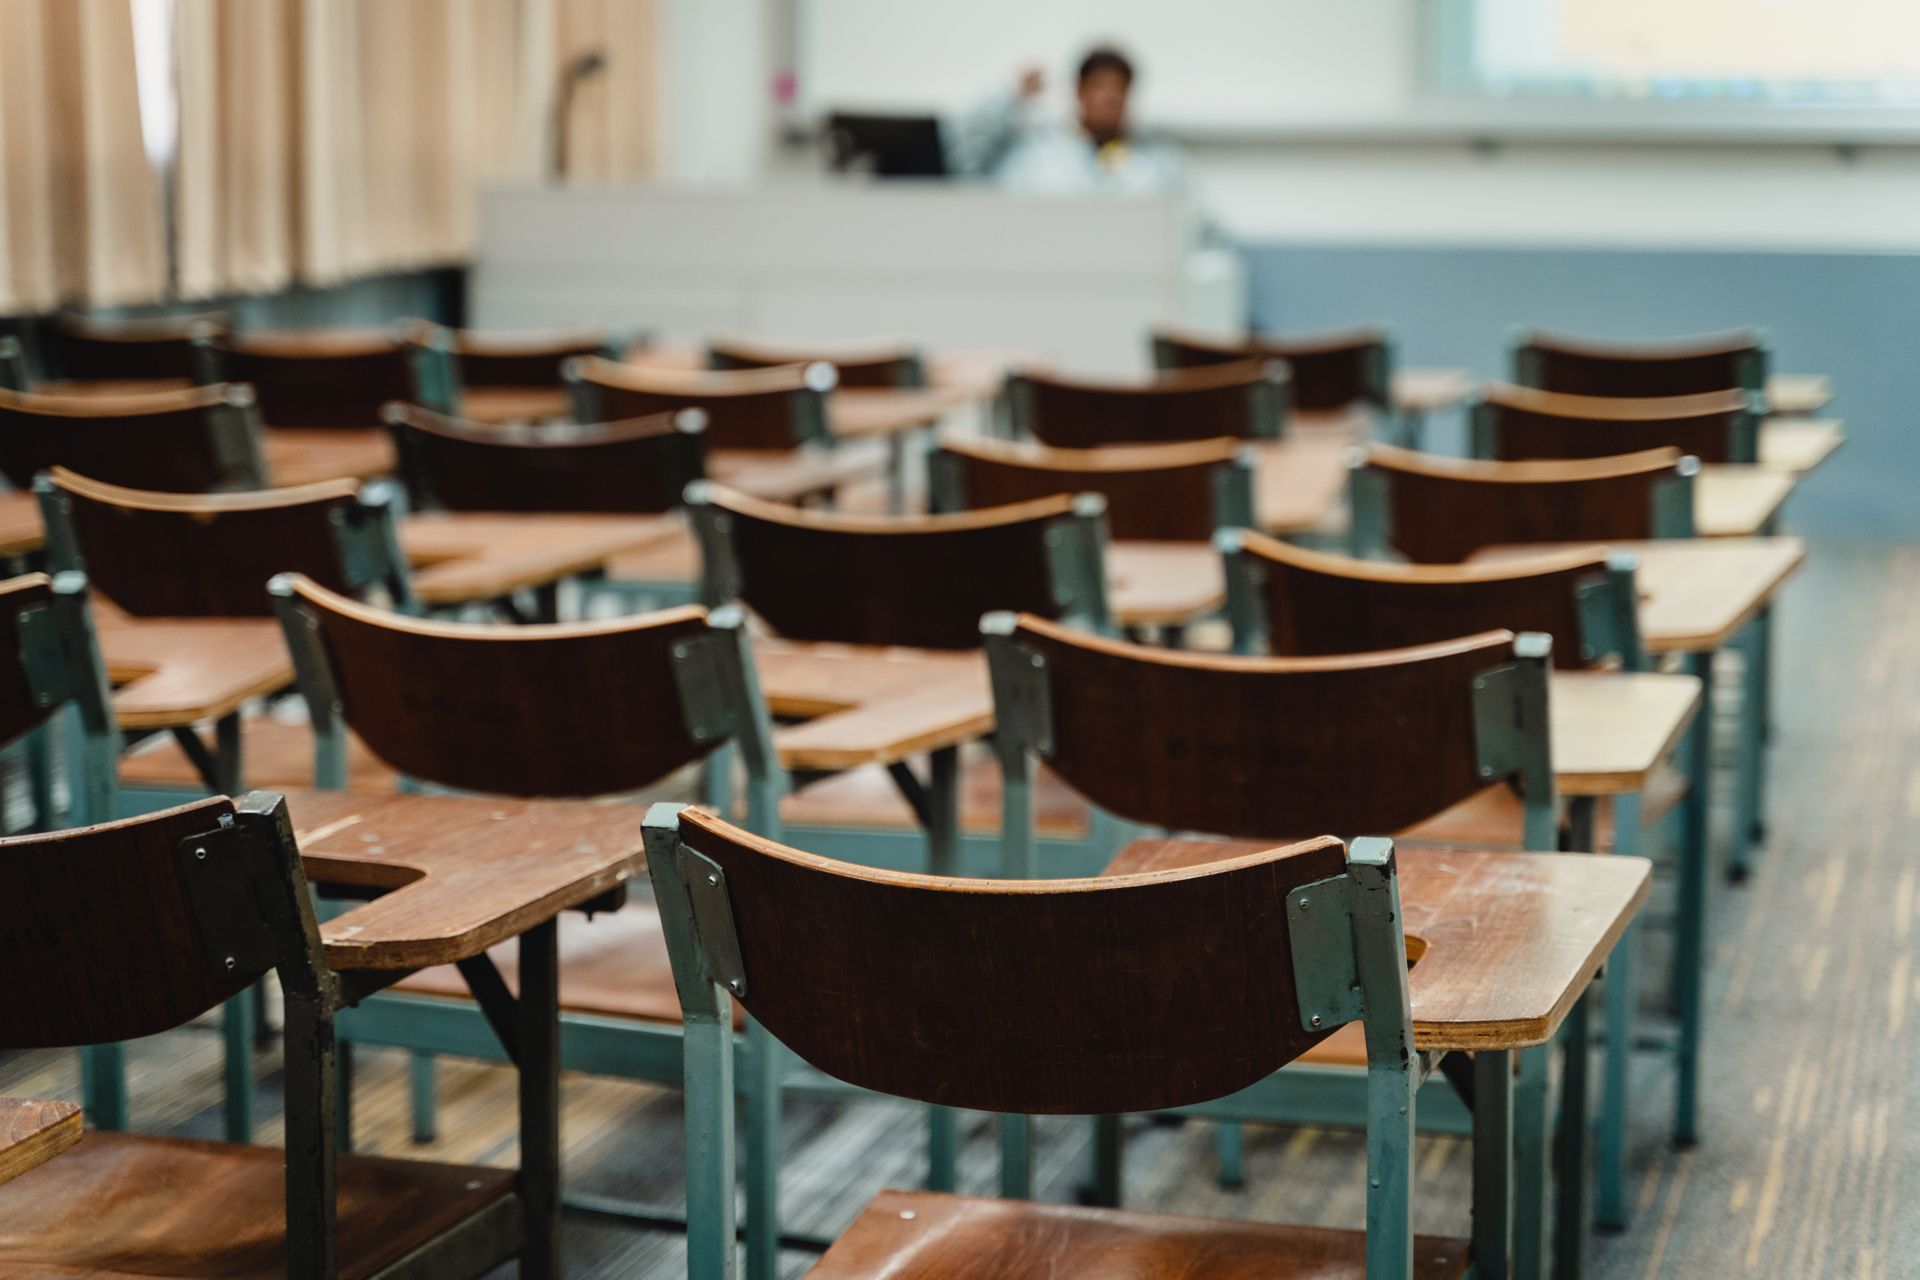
{"x": 1079, "y": 280}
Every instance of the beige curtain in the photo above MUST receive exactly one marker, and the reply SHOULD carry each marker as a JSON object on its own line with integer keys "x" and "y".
{"x": 613, "y": 127}
{"x": 81, "y": 218}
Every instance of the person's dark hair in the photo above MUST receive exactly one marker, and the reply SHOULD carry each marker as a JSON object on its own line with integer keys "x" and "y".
{"x": 1105, "y": 58}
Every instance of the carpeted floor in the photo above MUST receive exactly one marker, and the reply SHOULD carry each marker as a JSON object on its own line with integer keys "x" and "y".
{"x": 1809, "y": 1120}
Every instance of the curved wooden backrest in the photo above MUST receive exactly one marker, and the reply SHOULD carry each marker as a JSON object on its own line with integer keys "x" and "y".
{"x": 1031, "y": 996}
{"x": 103, "y": 920}
{"x": 1442, "y": 510}
{"x": 194, "y": 440}
{"x": 575, "y": 709}
{"x": 1154, "y": 492}
{"x": 201, "y": 555}
{"x": 774, "y": 408}
{"x": 859, "y": 364}
{"x": 1519, "y": 423}
{"x": 91, "y": 350}
{"x": 1315, "y": 604}
{"x": 518, "y": 359}
{"x": 1329, "y": 370}
{"x": 323, "y": 378}
{"x": 1664, "y": 367}
{"x": 1245, "y": 401}
{"x": 1256, "y": 746}
{"x": 923, "y": 581}
{"x": 640, "y": 466}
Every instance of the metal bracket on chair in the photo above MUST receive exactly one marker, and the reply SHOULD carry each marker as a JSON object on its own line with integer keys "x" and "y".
{"x": 713, "y": 919}
{"x": 1608, "y": 606}
{"x": 702, "y": 672}
{"x": 1501, "y": 736}
{"x": 1023, "y": 698}
{"x": 45, "y": 656}
{"x": 1326, "y": 973}
{"x": 219, "y": 879}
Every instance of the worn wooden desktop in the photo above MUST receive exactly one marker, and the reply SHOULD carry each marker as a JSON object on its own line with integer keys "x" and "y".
{"x": 32, "y": 1133}
{"x": 1798, "y": 394}
{"x": 170, "y": 673}
{"x": 1799, "y": 444}
{"x": 461, "y": 556}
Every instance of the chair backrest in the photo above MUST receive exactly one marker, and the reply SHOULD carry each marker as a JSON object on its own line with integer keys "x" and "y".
{"x": 574, "y": 709}
{"x": 1329, "y": 370}
{"x": 1519, "y": 423}
{"x": 46, "y": 625}
{"x": 1435, "y": 510}
{"x": 1293, "y": 602}
{"x": 639, "y": 466}
{"x": 212, "y": 555}
{"x": 89, "y": 349}
{"x": 859, "y": 364}
{"x": 130, "y": 928}
{"x": 322, "y": 378}
{"x": 1738, "y": 358}
{"x": 923, "y": 581}
{"x": 1270, "y": 747}
{"x": 195, "y": 440}
{"x": 1075, "y": 997}
{"x": 1247, "y": 401}
{"x": 752, "y": 409}
{"x": 1155, "y": 492}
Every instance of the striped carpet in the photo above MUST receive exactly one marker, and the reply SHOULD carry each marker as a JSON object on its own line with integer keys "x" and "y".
{"x": 1808, "y": 1119}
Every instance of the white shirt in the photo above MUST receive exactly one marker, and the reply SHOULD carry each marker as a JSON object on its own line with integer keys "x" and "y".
{"x": 995, "y": 141}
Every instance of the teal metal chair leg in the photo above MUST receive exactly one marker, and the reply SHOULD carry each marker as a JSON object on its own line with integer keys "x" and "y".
{"x": 1016, "y": 1157}
{"x": 1230, "y": 1148}
{"x": 1749, "y": 825}
{"x": 1109, "y": 1159}
{"x": 39, "y": 754}
{"x": 1492, "y": 1164}
{"x": 716, "y": 781}
{"x": 103, "y": 1085}
{"x": 1690, "y": 924}
{"x": 943, "y": 857}
{"x": 1530, "y": 1173}
{"x": 763, "y": 1153}
{"x": 236, "y": 1026}
{"x": 425, "y": 1096}
{"x": 1621, "y": 992}
{"x": 343, "y": 1097}
{"x": 1570, "y": 1225}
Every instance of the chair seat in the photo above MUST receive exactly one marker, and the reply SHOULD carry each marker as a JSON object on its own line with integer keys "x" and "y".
{"x": 1495, "y": 818}
{"x": 274, "y": 755}
{"x": 912, "y": 1235}
{"x": 867, "y": 799}
{"x": 613, "y": 965}
{"x": 124, "y": 1205}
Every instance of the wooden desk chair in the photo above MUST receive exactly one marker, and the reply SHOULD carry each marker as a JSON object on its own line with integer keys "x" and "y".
{"x": 89, "y": 349}
{"x": 566, "y": 710}
{"x": 1329, "y": 370}
{"x": 1435, "y": 510}
{"x": 778, "y": 408}
{"x": 859, "y": 364}
{"x": 158, "y": 920}
{"x": 1154, "y": 492}
{"x": 1738, "y": 358}
{"x": 1512, "y": 424}
{"x": 1247, "y": 401}
{"x": 640, "y": 466}
{"x": 1028, "y": 997}
{"x": 319, "y": 378}
{"x": 449, "y": 361}
{"x": 195, "y": 440}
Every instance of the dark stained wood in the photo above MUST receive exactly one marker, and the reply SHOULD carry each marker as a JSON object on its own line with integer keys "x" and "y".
{"x": 922, "y": 581}
{"x": 634, "y": 467}
{"x": 577, "y": 709}
{"x": 92, "y": 349}
{"x": 100, "y": 916}
{"x": 906, "y": 1235}
{"x": 869, "y": 364}
{"x": 1259, "y": 746}
{"x": 1326, "y": 604}
{"x": 185, "y": 555}
{"x": 976, "y": 993}
{"x": 320, "y": 378}
{"x": 751, "y": 409}
{"x": 519, "y": 360}
{"x": 1526, "y": 423}
{"x": 1330, "y": 370}
{"x": 1194, "y": 404}
{"x": 170, "y": 440}
{"x": 121, "y": 1205}
{"x": 1442, "y": 510}
{"x": 1154, "y": 493}
{"x": 1506, "y": 941}
{"x": 1667, "y": 367}
{"x": 32, "y": 1133}
{"x": 20, "y": 711}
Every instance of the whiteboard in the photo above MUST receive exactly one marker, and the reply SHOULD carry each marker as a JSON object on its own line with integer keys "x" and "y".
{"x": 1201, "y": 63}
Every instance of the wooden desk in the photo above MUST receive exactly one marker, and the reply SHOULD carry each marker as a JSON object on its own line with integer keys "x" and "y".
{"x": 461, "y": 557}
{"x": 32, "y": 1133}
{"x": 308, "y": 455}
{"x": 20, "y": 531}
{"x": 882, "y": 413}
{"x": 1739, "y": 502}
{"x": 174, "y": 672}
{"x": 501, "y": 406}
{"x": 1611, "y": 729}
{"x": 870, "y": 705}
{"x": 1299, "y": 482}
{"x": 1430, "y": 390}
{"x": 1799, "y": 444}
{"x": 1798, "y": 394}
